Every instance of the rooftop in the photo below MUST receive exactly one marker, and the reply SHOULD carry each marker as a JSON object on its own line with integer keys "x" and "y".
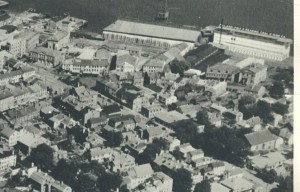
{"x": 238, "y": 184}
{"x": 46, "y": 51}
{"x": 141, "y": 171}
{"x": 260, "y": 137}
{"x": 59, "y": 35}
{"x": 171, "y": 116}
{"x": 268, "y": 160}
{"x": 16, "y": 72}
{"x": 152, "y": 30}
{"x": 260, "y": 34}
{"x": 7, "y": 132}
{"x": 99, "y": 63}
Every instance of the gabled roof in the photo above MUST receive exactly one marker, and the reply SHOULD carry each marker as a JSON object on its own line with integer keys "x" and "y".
{"x": 217, "y": 164}
{"x": 141, "y": 171}
{"x": 260, "y": 137}
{"x": 46, "y": 51}
{"x": 59, "y": 35}
{"x": 7, "y": 132}
{"x": 155, "y": 131}
{"x": 152, "y": 30}
{"x": 126, "y": 59}
{"x": 41, "y": 177}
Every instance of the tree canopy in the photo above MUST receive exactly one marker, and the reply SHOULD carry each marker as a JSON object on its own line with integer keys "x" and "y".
{"x": 280, "y": 108}
{"x": 179, "y": 66}
{"x": 182, "y": 180}
{"x": 269, "y": 176}
{"x": 42, "y": 156}
{"x": 202, "y": 118}
{"x": 264, "y": 111}
{"x": 203, "y": 186}
{"x": 152, "y": 149}
{"x": 114, "y": 138}
{"x": 276, "y": 90}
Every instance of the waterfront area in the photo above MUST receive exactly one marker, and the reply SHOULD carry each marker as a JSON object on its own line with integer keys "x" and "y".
{"x": 109, "y": 104}
{"x": 243, "y": 13}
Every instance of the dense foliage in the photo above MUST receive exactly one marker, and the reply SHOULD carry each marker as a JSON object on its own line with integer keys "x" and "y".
{"x": 203, "y": 186}
{"x": 182, "y": 181}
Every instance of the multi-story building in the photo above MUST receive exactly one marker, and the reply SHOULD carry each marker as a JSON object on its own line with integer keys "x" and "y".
{"x": 47, "y": 56}
{"x": 17, "y": 75}
{"x": 254, "y": 74}
{"x": 95, "y": 67}
{"x": 167, "y": 99}
{"x": 154, "y": 66}
{"x": 216, "y": 88}
{"x": 4, "y": 56}
{"x": 23, "y": 42}
{"x": 59, "y": 40}
{"x": 150, "y": 34}
{"x": 9, "y": 136}
{"x": 159, "y": 182}
{"x": 223, "y": 72}
{"x": 126, "y": 63}
{"x": 263, "y": 141}
{"x": 151, "y": 110}
{"x": 139, "y": 174}
{"x": 6, "y": 100}
{"x": 254, "y": 43}
{"x": 7, "y": 159}
{"x": 18, "y": 117}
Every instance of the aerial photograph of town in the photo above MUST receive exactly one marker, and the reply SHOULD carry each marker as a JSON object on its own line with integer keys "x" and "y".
{"x": 146, "y": 95}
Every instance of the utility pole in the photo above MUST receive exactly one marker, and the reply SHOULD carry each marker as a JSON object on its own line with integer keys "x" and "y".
{"x": 221, "y": 31}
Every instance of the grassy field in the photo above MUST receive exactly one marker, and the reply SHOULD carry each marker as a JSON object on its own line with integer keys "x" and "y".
{"x": 275, "y": 16}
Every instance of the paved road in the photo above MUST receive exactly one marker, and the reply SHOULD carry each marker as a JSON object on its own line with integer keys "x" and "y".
{"x": 49, "y": 78}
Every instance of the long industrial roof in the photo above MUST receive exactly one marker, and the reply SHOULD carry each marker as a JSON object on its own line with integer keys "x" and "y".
{"x": 152, "y": 30}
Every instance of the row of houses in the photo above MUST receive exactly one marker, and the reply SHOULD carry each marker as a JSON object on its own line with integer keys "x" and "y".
{"x": 12, "y": 96}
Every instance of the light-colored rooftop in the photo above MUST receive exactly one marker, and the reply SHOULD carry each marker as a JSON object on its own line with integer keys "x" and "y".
{"x": 171, "y": 116}
{"x": 238, "y": 184}
{"x": 268, "y": 160}
{"x": 151, "y": 30}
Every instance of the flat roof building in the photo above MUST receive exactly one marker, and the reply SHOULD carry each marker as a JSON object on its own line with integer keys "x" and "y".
{"x": 254, "y": 43}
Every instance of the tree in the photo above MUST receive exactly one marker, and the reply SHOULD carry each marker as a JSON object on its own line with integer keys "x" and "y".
{"x": 65, "y": 172}
{"x": 86, "y": 183}
{"x": 285, "y": 75}
{"x": 109, "y": 181}
{"x": 277, "y": 90}
{"x": 114, "y": 139}
{"x": 286, "y": 184}
{"x": 42, "y": 156}
{"x": 172, "y": 107}
{"x": 202, "y": 118}
{"x": 182, "y": 180}
{"x": 177, "y": 154}
{"x": 280, "y": 108}
{"x": 185, "y": 130}
{"x": 179, "y": 66}
{"x": 247, "y": 106}
{"x": 149, "y": 154}
{"x": 268, "y": 176}
{"x": 247, "y": 100}
{"x": 146, "y": 79}
{"x": 225, "y": 144}
{"x": 203, "y": 186}
{"x": 263, "y": 110}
